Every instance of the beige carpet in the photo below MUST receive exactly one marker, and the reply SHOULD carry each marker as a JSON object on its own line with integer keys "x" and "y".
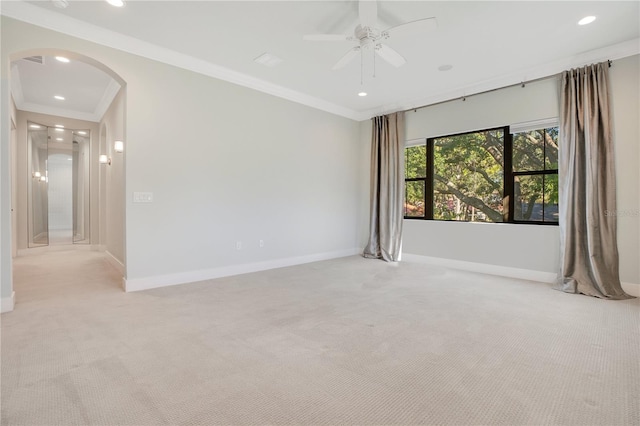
{"x": 347, "y": 341}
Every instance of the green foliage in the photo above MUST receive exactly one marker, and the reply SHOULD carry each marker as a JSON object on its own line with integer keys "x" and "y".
{"x": 415, "y": 167}
{"x": 536, "y": 197}
{"x": 468, "y": 177}
{"x": 415, "y": 161}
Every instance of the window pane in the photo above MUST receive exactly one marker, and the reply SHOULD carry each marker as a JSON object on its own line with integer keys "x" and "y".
{"x": 551, "y": 148}
{"x": 551, "y": 198}
{"x": 528, "y": 151}
{"x": 468, "y": 177}
{"x": 527, "y": 192}
{"x": 415, "y": 161}
{"x": 536, "y": 198}
{"x": 414, "y": 199}
{"x": 535, "y": 150}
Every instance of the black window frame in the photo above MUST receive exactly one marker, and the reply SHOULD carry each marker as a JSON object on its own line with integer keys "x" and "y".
{"x": 509, "y": 176}
{"x": 513, "y": 174}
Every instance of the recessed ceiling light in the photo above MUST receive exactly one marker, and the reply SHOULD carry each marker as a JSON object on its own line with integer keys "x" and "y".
{"x": 268, "y": 59}
{"x": 59, "y": 139}
{"x": 446, "y": 67}
{"x": 586, "y": 20}
{"x": 59, "y": 126}
{"x": 59, "y": 129}
{"x": 63, "y": 59}
{"x": 58, "y": 97}
{"x": 82, "y": 132}
{"x": 116, "y": 3}
{"x": 34, "y": 126}
{"x": 362, "y": 94}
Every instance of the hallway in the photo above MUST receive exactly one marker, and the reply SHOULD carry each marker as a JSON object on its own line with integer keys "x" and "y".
{"x": 63, "y": 276}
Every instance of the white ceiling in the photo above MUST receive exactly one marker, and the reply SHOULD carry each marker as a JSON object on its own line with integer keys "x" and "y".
{"x": 88, "y": 91}
{"x": 489, "y": 44}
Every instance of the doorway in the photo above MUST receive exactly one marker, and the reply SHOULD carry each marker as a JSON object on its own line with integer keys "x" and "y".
{"x": 58, "y": 191}
{"x": 59, "y": 185}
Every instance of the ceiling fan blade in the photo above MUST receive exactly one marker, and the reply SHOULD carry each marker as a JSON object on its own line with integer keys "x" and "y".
{"x": 326, "y": 37}
{"x": 368, "y": 11}
{"x": 390, "y": 55}
{"x": 346, "y": 58}
{"x": 413, "y": 27}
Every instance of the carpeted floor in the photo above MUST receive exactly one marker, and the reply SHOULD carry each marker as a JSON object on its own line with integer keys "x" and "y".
{"x": 346, "y": 341}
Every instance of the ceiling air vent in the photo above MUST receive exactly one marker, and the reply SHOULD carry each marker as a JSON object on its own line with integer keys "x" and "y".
{"x": 36, "y": 59}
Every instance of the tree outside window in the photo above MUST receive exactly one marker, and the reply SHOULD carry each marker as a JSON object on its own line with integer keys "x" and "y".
{"x": 484, "y": 176}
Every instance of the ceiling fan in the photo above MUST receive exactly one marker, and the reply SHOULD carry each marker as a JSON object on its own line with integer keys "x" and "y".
{"x": 369, "y": 36}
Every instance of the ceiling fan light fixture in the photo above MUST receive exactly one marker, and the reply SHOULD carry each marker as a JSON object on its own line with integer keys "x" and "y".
{"x": 362, "y": 94}
{"x": 586, "y": 20}
{"x": 369, "y": 37}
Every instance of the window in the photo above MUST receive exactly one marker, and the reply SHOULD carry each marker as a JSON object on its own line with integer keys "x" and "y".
{"x": 415, "y": 180}
{"x": 535, "y": 176}
{"x": 484, "y": 176}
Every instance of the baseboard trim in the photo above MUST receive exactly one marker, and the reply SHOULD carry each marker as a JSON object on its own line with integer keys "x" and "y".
{"x": 115, "y": 262}
{"x": 138, "y": 284}
{"x": 632, "y": 289}
{"x": 8, "y": 303}
{"x": 484, "y": 268}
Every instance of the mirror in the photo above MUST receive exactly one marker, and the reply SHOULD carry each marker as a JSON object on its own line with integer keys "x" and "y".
{"x": 37, "y": 151}
{"x": 59, "y": 185}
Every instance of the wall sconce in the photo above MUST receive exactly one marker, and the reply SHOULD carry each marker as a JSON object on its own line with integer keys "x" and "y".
{"x": 103, "y": 159}
{"x": 118, "y": 146}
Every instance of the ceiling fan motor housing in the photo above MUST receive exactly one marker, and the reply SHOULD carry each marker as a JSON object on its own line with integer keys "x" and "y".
{"x": 367, "y": 36}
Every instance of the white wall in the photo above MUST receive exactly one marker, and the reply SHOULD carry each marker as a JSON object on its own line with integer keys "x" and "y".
{"x": 13, "y": 153}
{"x": 6, "y": 289}
{"x": 365, "y": 181}
{"x": 228, "y": 164}
{"x": 112, "y": 180}
{"x": 224, "y": 163}
{"x": 529, "y": 247}
{"x": 625, "y": 96}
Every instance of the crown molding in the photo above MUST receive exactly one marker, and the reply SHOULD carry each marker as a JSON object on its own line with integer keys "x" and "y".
{"x": 109, "y": 94}
{"x": 550, "y": 69}
{"x": 31, "y": 14}
{"x": 35, "y": 15}
{"x": 59, "y": 112}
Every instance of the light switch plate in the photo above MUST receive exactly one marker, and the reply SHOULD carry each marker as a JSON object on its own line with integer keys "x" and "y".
{"x": 143, "y": 197}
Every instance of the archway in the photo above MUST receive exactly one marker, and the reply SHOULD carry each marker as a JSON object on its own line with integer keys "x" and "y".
{"x": 108, "y": 178}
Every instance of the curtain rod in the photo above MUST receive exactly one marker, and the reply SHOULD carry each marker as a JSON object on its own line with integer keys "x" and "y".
{"x": 464, "y": 97}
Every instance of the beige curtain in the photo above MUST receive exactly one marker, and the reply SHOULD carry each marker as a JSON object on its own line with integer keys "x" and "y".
{"x": 587, "y": 186}
{"x": 387, "y": 188}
